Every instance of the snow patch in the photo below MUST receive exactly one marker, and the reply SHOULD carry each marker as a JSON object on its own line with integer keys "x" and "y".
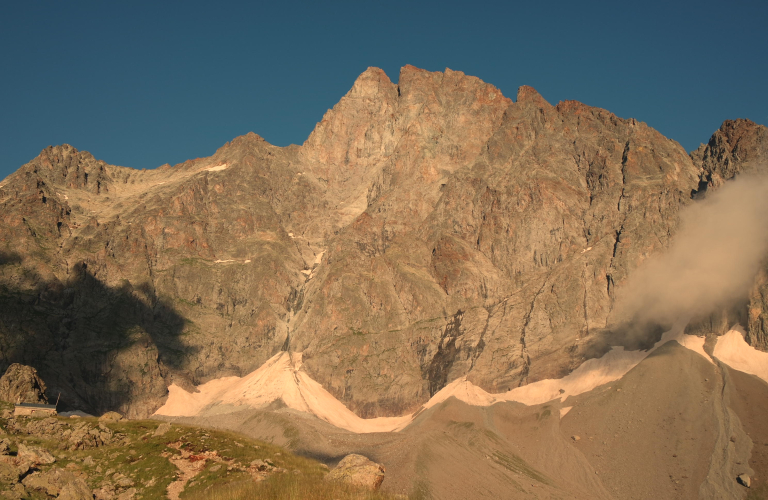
{"x": 734, "y": 351}
{"x": 280, "y": 377}
{"x": 592, "y": 373}
{"x": 219, "y": 167}
{"x": 318, "y": 258}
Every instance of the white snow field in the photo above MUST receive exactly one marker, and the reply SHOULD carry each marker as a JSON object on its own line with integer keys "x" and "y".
{"x": 734, "y": 351}
{"x": 281, "y": 377}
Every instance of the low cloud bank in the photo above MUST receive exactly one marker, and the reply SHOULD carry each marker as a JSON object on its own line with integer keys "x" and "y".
{"x": 712, "y": 262}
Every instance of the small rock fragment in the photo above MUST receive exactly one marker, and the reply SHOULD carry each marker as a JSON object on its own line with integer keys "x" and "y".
{"x": 125, "y": 482}
{"x": 575, "y": 438}
{"x": 744, "y": 480}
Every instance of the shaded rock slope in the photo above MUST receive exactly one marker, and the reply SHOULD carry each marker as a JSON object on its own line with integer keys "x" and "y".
{"x": 426, "y": 230}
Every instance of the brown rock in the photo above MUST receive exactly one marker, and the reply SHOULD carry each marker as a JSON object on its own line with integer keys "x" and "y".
{"x": 9, "y": 475}
{"x": 16, "y": 492}
{"x": 21, "y": 384}
{"x": 426, "y": 230}
{"x": 76, "y": 489}
{"x": 51, "y": 482}
{"x": 162, "y": 429}
{"x": 358, "y": 470}
{"x": 128, "y": 494}
{"x": 744, "y": 480}
{"x": 111, "y": 416}
{"x": 5, "y": 446}
{"x": 35, "y": 455}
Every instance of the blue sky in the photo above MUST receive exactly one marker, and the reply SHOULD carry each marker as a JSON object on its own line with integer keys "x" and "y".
{"x": 142, "y": 84}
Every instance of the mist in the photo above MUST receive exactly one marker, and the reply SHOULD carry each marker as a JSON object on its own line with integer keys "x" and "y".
{"x": 712, "y": 261}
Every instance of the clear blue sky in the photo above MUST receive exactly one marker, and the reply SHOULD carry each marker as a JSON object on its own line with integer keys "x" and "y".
{"x": 142, "y": 84}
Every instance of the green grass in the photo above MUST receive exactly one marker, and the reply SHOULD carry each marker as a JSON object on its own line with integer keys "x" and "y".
{"x": 144, "y": 458}
{"x": 290, "y": 486}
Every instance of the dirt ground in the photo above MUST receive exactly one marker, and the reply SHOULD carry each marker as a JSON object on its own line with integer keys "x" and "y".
{"x": 750, "y": 402}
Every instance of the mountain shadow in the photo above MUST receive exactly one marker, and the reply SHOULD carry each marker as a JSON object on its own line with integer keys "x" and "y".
{"x": 102, "y": 348}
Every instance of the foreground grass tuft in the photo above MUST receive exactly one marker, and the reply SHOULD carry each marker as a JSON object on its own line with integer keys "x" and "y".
{"x": 289, "y": 487}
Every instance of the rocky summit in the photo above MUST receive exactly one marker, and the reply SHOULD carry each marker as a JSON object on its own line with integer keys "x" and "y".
{"x": 427, "y": 231}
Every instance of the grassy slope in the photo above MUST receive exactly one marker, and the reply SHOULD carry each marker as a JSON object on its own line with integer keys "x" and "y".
{"x": 145, "y": 460}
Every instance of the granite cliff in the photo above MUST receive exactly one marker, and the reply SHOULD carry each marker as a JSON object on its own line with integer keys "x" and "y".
{"x": 426, "y": 230}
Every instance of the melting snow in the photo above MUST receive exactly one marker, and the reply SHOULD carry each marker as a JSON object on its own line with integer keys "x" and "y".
{"x": 592, "y": 373}
{"x": 216, "y": 168}
{"x": 281, "y": 377}
{"x": 734, "y": 351}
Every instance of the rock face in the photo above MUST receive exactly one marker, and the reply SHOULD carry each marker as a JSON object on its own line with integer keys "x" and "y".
{"x": 358, "y": 470}
{"x": 21, "y": 384}
{"x": 426, "y": 230}
{"x": 738, "y": 147}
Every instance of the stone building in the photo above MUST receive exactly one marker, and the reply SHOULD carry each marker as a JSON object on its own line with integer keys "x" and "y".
{"x": 35, "y": 410}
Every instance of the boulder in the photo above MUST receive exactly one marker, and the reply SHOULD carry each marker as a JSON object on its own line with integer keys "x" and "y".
{"x": 35, "y": 455}
{"x": 261, "y": 465}
{"x": 5, "y": 446}
{"x": 106, "y": 492}
{"x": 76, "y": 490}
{"x": 162, "y": 429}
{"x": 21, "y": 384}
{"x": 110, "y": 416}
{"x": 744, "y": 480}
{"x": 8, "y": 474}
{"x": 128, "y": 494}
{"x": 358, "y": 470}
{"x": 50, "y": 482}
{"x": 16, "y": 492}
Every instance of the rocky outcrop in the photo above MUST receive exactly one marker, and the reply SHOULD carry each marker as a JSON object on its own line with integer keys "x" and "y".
{"x": 55, "y": 482}
{"x": 21, "y": 384}
{"x": 77, "y": 436}
{"x": 738, "y": 147}
{"x": 359, "y": 471}
{"x": 427, "y": 229}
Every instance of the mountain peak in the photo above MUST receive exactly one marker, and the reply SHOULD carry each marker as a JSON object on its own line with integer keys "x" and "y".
{"x": 370, "y": 83}
{"x": 527, "y": 93}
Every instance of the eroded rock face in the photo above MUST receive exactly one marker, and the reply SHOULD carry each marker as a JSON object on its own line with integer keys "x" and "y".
{"x": 426, "y": 230}
{"x": 738, "y": 147}
{"x": 21, "y": 384}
